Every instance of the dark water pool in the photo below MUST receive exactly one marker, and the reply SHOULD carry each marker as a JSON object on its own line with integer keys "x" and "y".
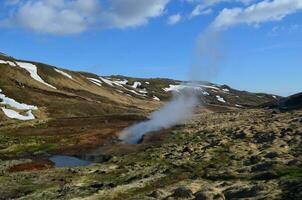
{"x": 68, "y": 161}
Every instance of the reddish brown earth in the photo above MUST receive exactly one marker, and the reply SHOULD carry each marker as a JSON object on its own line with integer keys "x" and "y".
{"x": 32, "y": 166}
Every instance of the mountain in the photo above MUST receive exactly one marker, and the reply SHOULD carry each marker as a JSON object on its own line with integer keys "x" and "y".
{"x": 59, "y": 139}
{"x": 289, "y": 103}
{"x": 61, "y": 93}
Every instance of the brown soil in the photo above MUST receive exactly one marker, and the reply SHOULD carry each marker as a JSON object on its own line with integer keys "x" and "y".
{"x": 32, "y": 166}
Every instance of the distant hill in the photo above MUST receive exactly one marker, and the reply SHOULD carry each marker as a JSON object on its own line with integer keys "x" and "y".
{"x": 288, "y": 103}
{"x": 61, "y": 93}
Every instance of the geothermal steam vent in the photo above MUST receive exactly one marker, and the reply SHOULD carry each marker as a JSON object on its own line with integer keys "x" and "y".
{"x": 178, "y": 110}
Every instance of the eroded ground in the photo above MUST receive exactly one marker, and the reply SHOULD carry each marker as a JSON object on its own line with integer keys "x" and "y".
{"x": 249, "y": 154}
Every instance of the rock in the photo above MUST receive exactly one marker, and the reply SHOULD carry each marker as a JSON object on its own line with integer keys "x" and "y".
{"x": 264, "y": 137}
{"x": 214, "y": 176}
{"x": 252, "y": 160}
{"x": 208, "y": 195}
{"x": 271, "y": 155}
{"x": 203, "y": 196}
{"x": 293, "y": 162}
{"x": 292, "y": 189}
{"x": 218, "y": 197}
{"x": 285, "y": 131}
{"x": 265, "y": 176}
{"x": 187, "y": 149}
{"x": 239, "y": 135}
{"x": 242, "y": 192}
{"x": 157, "y": 194}
{"x": 182, "y": 192}
{"x": 96, "y": 186}
{"x": 73, "y": 171}
{"x": 262, "y": 166}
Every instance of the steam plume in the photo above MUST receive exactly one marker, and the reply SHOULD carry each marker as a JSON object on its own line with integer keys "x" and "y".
{"x": 174, "y": 112}
{"x": 181, "y": 107}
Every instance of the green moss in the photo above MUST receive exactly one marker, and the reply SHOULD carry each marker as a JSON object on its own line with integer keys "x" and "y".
{"x": 290, "y": 172}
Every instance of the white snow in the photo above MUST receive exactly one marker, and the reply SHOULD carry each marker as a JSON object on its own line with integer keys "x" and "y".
{"x": 225, "y": 90}
{"x": 124, "y": 82}
{"x": 11, "y": 63}
{"x": 32, "y": 69}
{"x": 148, "y": 83}
{"x": 14, "y": 104}
{"x": 143, "y": 91}
{"x": 63, "y": 73}
{"x": 237, "y": 105}
{"x": 205, "y": 93}
{"x": 178, "y": 88}
{"x": 112, "y": 83}
{"x": 134, "y": 92}
{"x": 95, "y": 81}
{"x": 219, "y": 98}
{"x": 15, "y": 115}
{"x": 210, "y": 87}
{"x": 136, "y": 84}
{"x": 19, "y": 106}
{"x": 8, "y": 62}
{"x": 156, "y": 98}
{"x": 121, "y": 84}
{"x": 274, "y": 97}
{"x": 106, "y": 81}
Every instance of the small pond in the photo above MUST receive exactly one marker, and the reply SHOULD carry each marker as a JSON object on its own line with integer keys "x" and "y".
{"x": 68, "y": 161}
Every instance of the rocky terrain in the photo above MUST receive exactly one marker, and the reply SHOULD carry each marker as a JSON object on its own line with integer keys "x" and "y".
{"x": 238, "y": 145}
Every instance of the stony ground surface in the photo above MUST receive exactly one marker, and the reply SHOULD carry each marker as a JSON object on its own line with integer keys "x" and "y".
{"x": 239, "y": 154}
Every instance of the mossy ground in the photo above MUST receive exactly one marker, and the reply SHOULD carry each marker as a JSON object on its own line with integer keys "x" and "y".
{"x": 204, "y": 154}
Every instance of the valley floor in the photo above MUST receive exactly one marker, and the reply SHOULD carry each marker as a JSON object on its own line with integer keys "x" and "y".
{"x": 238, "y": 154}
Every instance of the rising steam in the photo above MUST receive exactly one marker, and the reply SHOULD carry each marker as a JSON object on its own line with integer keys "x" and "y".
{"x": 182, "y": 106}
{"x": 174, "y": 112}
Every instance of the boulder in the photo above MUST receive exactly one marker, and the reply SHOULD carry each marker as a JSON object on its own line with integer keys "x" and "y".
{"x": 242, "y": 192}
{"x": 182, "y": 192}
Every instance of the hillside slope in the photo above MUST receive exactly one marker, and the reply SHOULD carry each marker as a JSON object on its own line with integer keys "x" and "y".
{"x": 60, "y": 93}
{"x": 233, "y": 147}
{"x": 40, "y": 100}
{"x": 289, "y": 103}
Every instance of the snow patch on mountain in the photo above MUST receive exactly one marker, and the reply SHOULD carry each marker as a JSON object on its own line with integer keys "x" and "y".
{"x": 15, "y": 115}
{"x": 63, "y": 73}
{"x": 6, "y": 101}
{"x": 156, "y": 98}
{"x": 221, "y": 99}
{"x": 95, "y": 81}
{"x": 32, "y": 69}
{"x": 8, "y": 63}
{"x": 210, "y": 87}
{"x": 114, "y": 83}
{"x": 136, "y": 84}
{"x": 14, "y": 104}
{"x": 179, "y": 88}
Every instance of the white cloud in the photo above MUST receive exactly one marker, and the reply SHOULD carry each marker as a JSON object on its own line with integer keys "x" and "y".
{"x": 62, "y": 17}
{"x": 200, "y": 11}
{"x": 174, "y": 19}
{"x": 203, "y": 6}
{"x": 131, "y": 13}
{"x": 257, "y": 13}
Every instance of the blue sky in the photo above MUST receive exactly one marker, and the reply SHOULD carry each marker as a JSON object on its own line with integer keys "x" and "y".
{"x": 261, "y": 40}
